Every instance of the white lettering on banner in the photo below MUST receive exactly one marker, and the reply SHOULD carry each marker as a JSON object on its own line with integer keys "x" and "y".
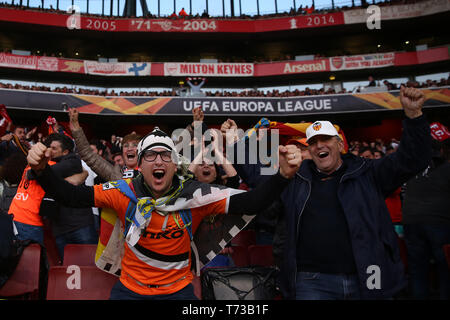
{"x": 16, "y": 61}
{"x": 137, "y": 25}
{"x": 245, "y": 106}
{"x": 376, "y": 60}
{"x": 48, "y": 64}
{"x": 199, "y": 25}
{"x": 307, "y": 105}
{"x": 258, "y": 107}
{"x": 117, "y": 69}
{"x": 209, "y": 69}
{"x": 305, "y": 67}
{"x": 100, "y": 24}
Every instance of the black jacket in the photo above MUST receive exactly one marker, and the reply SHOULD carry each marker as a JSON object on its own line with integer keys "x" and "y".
{"x": 361, "y": 192}
{"x": 69, "y": 219}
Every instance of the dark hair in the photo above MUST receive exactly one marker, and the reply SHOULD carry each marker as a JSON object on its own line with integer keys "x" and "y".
{"x": 379, "y": 151}
{"x": 361, "y": 151}
{"x": 13, "y": 167}
{"x": 131, "y": 137}
{"x": 97, "y": 143}
{"x": 66, "y": 142}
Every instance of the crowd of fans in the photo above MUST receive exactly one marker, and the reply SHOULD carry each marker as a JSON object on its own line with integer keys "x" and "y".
{"x": 223, "y": 93}
{"x": 113, "y": 151}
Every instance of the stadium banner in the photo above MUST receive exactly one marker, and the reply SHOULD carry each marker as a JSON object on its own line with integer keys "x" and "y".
{"x": 299, "y": 22}
{"x": 292, "y": 67}
{"x": 41, "y": 63}
{"x": 69, "y": 65}
{"x": 401, "y": 11}
{"x": 209, "y": 69}
{"x": 352, "y": 16}
{"x": 78, "y": 21}
{"x": 340, "y": 63}
{"x": 18, "y": 61}
{"x": 217, "y": 106}
{"x": 117, "y": 69}
{"x": 366, "y": 61}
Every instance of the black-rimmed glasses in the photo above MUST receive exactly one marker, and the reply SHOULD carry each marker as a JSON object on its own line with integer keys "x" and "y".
{"x": 151, "y": 155}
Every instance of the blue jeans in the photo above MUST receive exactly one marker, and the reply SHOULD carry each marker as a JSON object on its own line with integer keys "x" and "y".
{"x": 30, "y": 232}
{"x": 324, "y": 286}
{"x": 425, "y": 242}
{"x": 120, "y": 292}
{"x": 84, "y": 235}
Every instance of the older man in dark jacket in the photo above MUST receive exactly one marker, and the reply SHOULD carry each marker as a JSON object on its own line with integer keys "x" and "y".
{"x": 340, "y": 240}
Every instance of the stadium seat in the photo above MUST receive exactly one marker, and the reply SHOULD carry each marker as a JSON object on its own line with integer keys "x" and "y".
{"x": 447, "y": 253}
{"x": 50, "y": 245}
{"x": 261, "y": 255}
{"x": 79, "y": 254}
{"x": 79, "y": 283}
{"x": 24, "y": 282}
{"x": 240, "y": 256}
{"x": 196, "y": 282}
{"x": 244, "y": 238}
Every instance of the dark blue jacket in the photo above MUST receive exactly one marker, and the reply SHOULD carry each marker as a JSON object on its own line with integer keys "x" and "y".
{"x": 361, "y": 192}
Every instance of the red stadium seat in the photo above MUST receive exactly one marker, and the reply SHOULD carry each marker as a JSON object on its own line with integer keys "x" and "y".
{"x": 196, "y": 282}
{"x": 244, "y": 238}
{"x": 240, "y": 256}
{"x": 50, "y": 245}
{"x": 24, "y": 282}
{"x": 261, "y": 255}
{"x": 79, "y": 254}
{"x": 79, "y": 283}
{"x": 447, "y": 253}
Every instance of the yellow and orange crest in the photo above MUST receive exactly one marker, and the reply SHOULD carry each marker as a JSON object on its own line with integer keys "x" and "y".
{"x": 316, "y": 126}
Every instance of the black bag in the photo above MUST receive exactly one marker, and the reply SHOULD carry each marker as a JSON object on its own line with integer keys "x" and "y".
{"x": 239, "y": 283}
{"x": 11, "y": 249}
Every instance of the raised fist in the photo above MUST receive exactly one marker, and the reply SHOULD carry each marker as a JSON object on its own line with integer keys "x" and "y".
{"x": 412, "y": 100}
{"x": 290, "y": 159}
{"x": 38, "y": 156}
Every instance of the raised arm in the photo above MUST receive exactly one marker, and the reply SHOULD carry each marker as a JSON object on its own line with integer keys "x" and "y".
{"x": 99, "y": 165}
{"x": 80, "y": 196}
{"x": 414, "y": 152}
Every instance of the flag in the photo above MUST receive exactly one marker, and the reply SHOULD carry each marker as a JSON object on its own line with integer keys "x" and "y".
{"x": 439, "y": 131}
{"x": 288, "y": 130}
{"x": 51, "y": 122}
{"x": 4, "y": 119}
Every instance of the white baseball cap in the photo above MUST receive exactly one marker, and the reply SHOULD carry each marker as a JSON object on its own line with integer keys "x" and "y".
{"x": 325, "y": 128}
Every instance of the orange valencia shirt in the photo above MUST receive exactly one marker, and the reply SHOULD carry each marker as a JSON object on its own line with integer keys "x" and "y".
{"x": 160, "y": 262}
{"x": 27, "y": 201}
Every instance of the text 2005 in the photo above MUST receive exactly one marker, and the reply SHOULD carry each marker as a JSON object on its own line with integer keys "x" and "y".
{"x": 101, "y": 25}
